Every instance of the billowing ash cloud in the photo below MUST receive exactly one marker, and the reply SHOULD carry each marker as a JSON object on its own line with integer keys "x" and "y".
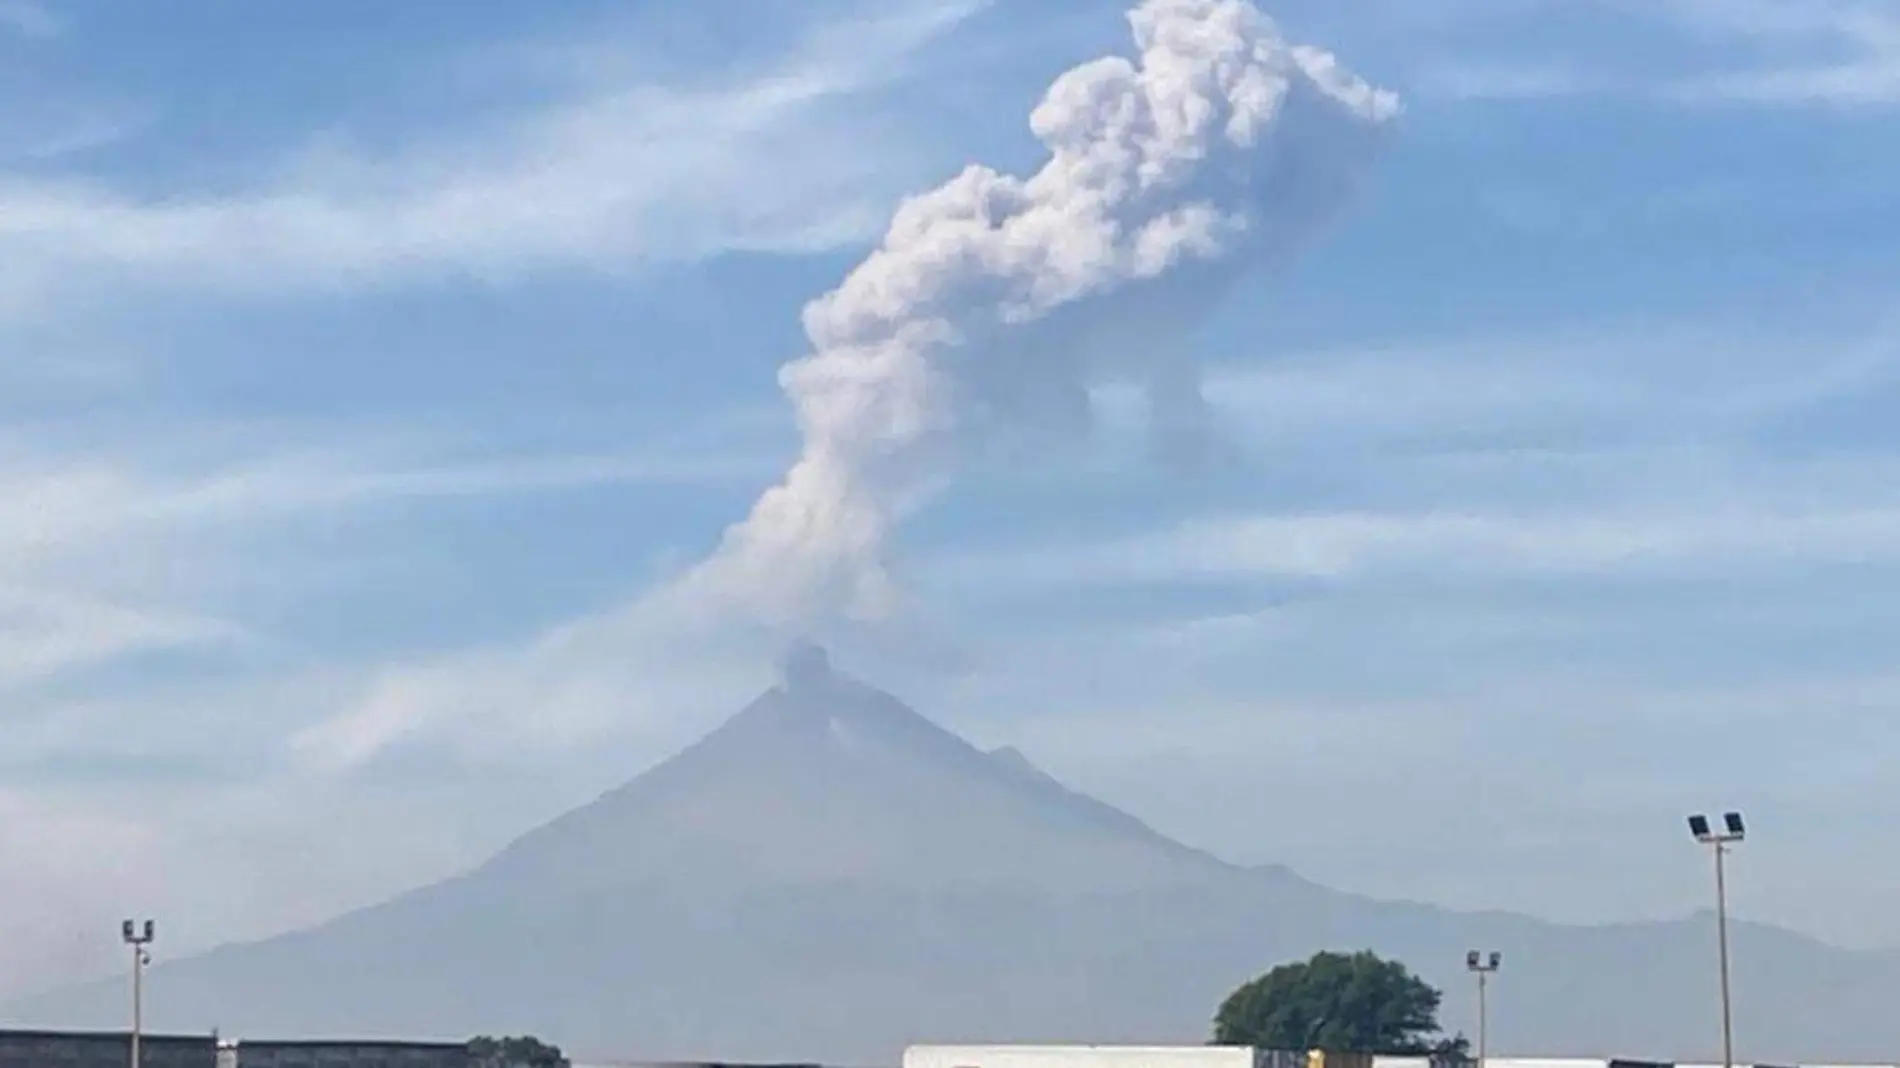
{"x": 998, "y": 300}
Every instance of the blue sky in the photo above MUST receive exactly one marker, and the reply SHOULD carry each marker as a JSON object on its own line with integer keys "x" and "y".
{"x": 361, "y": 364}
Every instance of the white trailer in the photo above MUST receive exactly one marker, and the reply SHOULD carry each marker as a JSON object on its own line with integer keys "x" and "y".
{"x": 1088, "y": 1057}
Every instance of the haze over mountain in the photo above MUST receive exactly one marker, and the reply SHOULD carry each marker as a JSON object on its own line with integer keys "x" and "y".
{"x": 829, "y": 875}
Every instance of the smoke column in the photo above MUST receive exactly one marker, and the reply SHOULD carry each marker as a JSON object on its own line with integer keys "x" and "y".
{"x": 994, "y": 299}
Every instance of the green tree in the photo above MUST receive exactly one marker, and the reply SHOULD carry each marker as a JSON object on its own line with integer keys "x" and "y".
{"x": 1343, "y": 1002}
{"x": 517, "y": 1052}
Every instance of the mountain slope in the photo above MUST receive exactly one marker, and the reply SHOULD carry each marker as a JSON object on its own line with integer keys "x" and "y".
{"x": 830, "y": 875}
{"x": 823, "y": 779}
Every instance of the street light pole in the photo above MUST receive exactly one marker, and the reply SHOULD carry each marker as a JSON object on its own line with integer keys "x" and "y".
{"x": 1482, "y": 966}
{"x": 138, "y": 936}
{"x": 1719, "y": 842}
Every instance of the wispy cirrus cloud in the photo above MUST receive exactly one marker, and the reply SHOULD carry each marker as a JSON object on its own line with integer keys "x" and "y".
{"x": 1839, "y": 52}
{"x": 1503, "y": 461}
{"x": 1485, "y": 545}
{"x": 1509, "y": 460}
{"x": 51, "y": 634}
{"x": 1842, "y": 53}
{"x": 57, "y": 132}
{"x": 103, "y": 554}
{"x": 620, "y": 175}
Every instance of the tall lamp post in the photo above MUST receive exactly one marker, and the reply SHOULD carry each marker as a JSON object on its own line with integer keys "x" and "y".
{"x": 1719, "y": 841}
{"x": 1482, "y": 965}
{"x": 138, "y": 935}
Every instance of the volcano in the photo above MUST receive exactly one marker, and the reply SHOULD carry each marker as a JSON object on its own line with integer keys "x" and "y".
{"x": 830, "y": 876}
{"x": 825, "y": 780}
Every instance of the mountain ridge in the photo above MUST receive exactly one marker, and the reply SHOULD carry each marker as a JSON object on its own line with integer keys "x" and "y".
{"x": 829, "y": 876}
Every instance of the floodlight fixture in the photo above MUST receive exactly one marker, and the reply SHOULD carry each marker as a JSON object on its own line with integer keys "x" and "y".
{"x": 1705, "y": 831}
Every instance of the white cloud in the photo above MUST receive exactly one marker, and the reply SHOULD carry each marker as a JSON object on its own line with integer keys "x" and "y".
{"x": 1668, "y": 499}
{"x": 103, "y": 553}
{"x": 1358, "y": 545}
{"x": 59, "y": 506}
{"x": 637, "y": 674}
{"x": 1872, "y": 81}
{"x": 1859, "y": 45}
{"x": 1613, "y": 452}
{"x": 618, "y": 177}
{"x": 1843, "y": 53}
{"x": 1506, "y": 81}
{"x": 51, "y": 634}
{"x": 55, "y": 133}
{"x": 1614, "y": 418}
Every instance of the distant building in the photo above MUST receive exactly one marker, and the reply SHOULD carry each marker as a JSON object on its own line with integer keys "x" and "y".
{"x": 712, "y": 1064}
{"x": 350, "y": 1054}
{"x": 1235, "y": 1057}
{"x": 104, "y": 1049}
{"x": 1124, "y": 1057}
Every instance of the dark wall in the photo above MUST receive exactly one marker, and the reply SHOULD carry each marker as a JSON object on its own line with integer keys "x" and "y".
{"x": 55, "y": 1049}
{"x": 350, "y": 1055}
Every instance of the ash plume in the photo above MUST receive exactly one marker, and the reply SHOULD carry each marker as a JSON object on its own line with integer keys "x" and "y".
{"x": 993, "y": 300}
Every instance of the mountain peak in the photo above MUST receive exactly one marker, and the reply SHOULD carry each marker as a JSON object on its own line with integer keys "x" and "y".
{"x": 825, "y": 779}
{"x": 816, "y": 701}
{"x": 805, "y": 666}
